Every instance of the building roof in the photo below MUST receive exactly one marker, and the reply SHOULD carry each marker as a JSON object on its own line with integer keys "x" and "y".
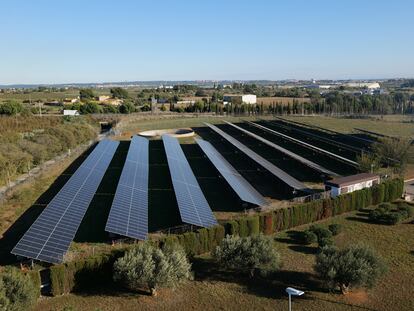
{"x": 350, "y": 180}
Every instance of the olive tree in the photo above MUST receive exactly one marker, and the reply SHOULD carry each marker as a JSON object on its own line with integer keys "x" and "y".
{"x": 393, "y": 152}
{"x": 247, "y": 253}
{"x": 355, "y": 266}
{"x": 17, "y": 291}
{"x": 149, "y": 267}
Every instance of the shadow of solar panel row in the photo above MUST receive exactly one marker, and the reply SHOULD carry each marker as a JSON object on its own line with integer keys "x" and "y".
{"x": 49, "y": 237}
{"x": 280, "y": 174}
{"x": 193, "y": 206}
{"x": 129, "y": 211}
{"x": 240, "y": 185}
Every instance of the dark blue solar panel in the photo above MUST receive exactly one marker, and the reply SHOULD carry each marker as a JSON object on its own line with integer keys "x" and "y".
{"x": 280, "y": 174}
{"x": 193, "y": 206}
{"x": 49, "y": 237}
{"x": 243, "y": 189}
{"x": 129, "y": 211}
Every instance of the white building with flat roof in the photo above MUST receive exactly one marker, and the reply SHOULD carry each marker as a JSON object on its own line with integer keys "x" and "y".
{"x": 343, "y": 185}
{"x": 240, "y": 98}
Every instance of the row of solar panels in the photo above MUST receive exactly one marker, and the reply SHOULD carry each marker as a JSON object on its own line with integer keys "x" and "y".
{"x": 49, "y": 237}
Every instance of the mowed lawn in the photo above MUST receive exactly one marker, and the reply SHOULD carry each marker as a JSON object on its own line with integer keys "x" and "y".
{"x": 215, "y": 289}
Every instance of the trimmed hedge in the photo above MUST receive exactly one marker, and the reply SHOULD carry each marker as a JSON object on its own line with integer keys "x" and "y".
{"x": 82, "y": 274}
{"x": 34, "y": 275}
{"x": 97, "y": 270}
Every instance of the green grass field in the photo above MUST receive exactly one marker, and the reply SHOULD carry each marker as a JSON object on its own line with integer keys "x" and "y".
{"x": 214, "y": 289}
{"x": 393, "y": 125}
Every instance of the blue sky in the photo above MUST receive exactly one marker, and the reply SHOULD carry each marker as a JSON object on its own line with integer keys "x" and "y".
{"x": 64, "y": 41}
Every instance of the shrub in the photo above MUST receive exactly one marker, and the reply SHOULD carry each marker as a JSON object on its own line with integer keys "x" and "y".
{"x": 11, "y": 107}
{"x": 390, "y": 214}
{"x": 325, "y": 241}
{"x": 147, "y": 266}
{"x": 335, "y": 229}
{"x": 324, "y": 236}
{"x": 406, "y": 208}
{"x": 17, "y": 291}
{"x": 309, "y": 237}
{"x": 355, "y": 266}
{"x": 256, "y": 252}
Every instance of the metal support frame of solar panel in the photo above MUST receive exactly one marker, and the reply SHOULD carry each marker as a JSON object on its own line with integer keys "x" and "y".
{"x": 192, "y": 204}
{"x": 331, "y": 154}
{"x": 129, "y": 211}
{"x": 240, "y": 185}
{"x": 291, "y": 154}
{"x": 49, "y": 237}
{"x": 280, "y": 174}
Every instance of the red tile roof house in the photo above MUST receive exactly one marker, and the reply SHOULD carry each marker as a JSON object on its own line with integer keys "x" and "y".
{"x": 351, "y": 183}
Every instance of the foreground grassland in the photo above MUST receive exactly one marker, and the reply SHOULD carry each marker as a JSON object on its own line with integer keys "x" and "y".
{"x": 214, "y": 289}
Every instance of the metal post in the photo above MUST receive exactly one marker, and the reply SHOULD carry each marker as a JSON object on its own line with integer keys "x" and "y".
{"x": 290, "y": 303}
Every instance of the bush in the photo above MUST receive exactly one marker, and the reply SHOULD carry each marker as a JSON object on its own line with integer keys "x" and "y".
{"x": 90, "y": 107}
{"x": 256, "y": 252}
{"x": 390, "y": 214}
{"x": 147, "y": 266}
{"x": 355, "y": 266}
{"x": 17, "y": 291}
{"x": 335, "y": 229}
{"x": 127, "y": 107}
{"x": 309, "y": 237}
{"x": 324, "y": 236}
{"x": 11, "y": 107}
{"x": 405, "y": 208}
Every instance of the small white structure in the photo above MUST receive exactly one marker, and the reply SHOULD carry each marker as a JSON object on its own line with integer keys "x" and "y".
{"x": 245, "y": 99}
{"x": 70, "y": 112}
{"x": 351, "y": 183}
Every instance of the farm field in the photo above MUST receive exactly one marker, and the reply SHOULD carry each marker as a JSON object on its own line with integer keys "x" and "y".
{"x": 213, "y": 289}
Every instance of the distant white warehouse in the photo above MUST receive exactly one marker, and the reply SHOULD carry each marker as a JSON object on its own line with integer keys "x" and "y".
{"x": 368, "y": 85}
{"x": 240, "y": 98}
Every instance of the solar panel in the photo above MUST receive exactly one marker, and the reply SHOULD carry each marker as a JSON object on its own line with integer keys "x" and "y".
{"x": 129, "y": 211}
{"x": 240, "y": 185}
{"x": 49, "y": 237}
{"x": 291, "y": 154}
{"x": 280, "y": 174}
{"x": 193, "y": 206}
{"x": 304, "y": 143}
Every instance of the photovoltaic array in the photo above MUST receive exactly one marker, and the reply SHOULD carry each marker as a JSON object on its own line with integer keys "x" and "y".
{"x": 49, "y": 237}
{"x": 129, "y": 211}
{"x": 243, "y": 189}
{"x": 193, "y": 206}
{"x": 291, "y": 154}
{"x": 280, "y": 174}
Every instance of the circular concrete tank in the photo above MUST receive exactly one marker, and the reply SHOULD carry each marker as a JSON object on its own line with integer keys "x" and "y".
{"x": 185, "y": 132}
